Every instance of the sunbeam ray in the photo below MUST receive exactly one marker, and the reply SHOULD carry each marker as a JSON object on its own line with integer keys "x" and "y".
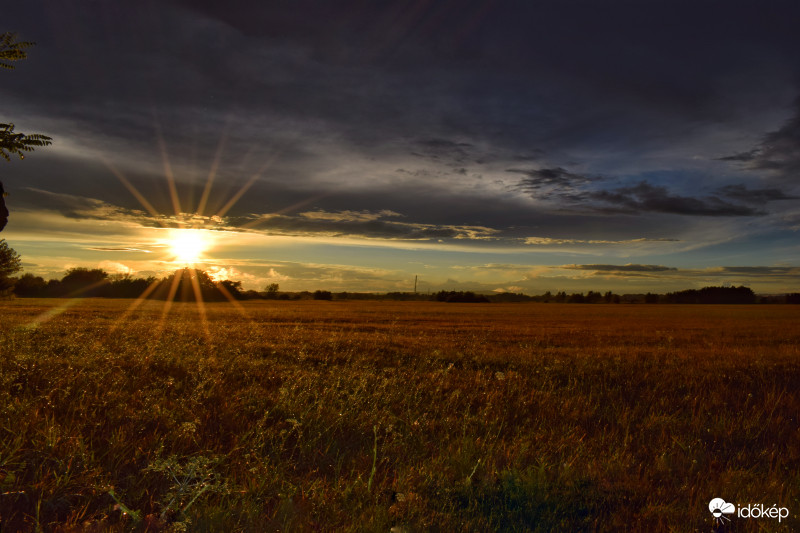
{"x": 167, "y": 305}
{"x": 135, "y": 305}
{"x": 162, "y": 145}
{"x": 51, "y": 313}
{"x": 288, "y": 209}
{"x": 201, "y": 305}
{"x": 133, "y": 190}
{"x": 235, "y": 198}
{"x": 72, "y": 299}
{"x": 212, "y": 173}
{"x": 239, "y": 307}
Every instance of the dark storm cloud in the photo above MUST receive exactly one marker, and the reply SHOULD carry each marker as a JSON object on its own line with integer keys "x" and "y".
{"x": 443, "y": 150}
{"x": 371, "y": 71}
{"x": 438, "y": 89}
{"x": 87, "y": 208}
{"x": 549, "y": 241}
{"x": 363, "y": 225}
{"x": 74, "y": 206}
{"x": 755, "y": 196}
{"x": 706, "y": 275}
{"x": 317, "y": 223}
{"x": 645, "y": 197}
{"x": 778, "y": 152}
{"x": 744, "y": 156}
{"x": 549, "y": 182}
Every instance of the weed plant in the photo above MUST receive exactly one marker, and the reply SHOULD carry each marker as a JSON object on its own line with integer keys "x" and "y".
{"x": 409, "y": 416}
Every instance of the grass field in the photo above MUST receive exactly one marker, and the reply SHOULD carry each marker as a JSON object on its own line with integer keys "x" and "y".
{"x": 368, "y": 416}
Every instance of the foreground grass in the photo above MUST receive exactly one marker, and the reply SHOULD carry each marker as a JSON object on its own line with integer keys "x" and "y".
{"x": 288, "y": 416}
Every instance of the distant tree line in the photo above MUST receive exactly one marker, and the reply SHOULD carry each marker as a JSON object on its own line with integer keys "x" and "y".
{"x": 460, "y": 297}
{"x": 183, "y": 285}
{"x": 706, "y": 295}
{"x": 186, "y": 284}
{"x": 712, "y": 295}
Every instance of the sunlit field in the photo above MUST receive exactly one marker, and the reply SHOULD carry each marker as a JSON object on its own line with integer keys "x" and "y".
{"x": 382, "y": 416}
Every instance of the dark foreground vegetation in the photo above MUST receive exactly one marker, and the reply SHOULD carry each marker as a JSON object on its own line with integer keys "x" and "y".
{"x": 296, "y": 416}
{"x": 185, "y": 284}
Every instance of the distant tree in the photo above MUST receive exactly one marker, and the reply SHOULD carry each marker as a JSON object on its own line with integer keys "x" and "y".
{"x": 30, "y": 286}
{"x": 511, "y": 297}
{"x": 396, "y": 296}
{"x": 11, "y": 142}
{"x": 272, "y": 291}
{"x": 577, "y": 298}
{"x": 323, "y": 295}
{"x": 593, "y": 297}
{"x": 233, "y": 288}
{"x": 651, "y": 298}
{"x": 187, "y": 282}
{"x": 85, "y": 282}
{"x": 10, "y": 263}
{"x": 53, "y": 288}
{"x": 3, "y": 208}
{"x": 126, "y": 286}
{"x": 460, "y": 297}
{"x": 793, "y": 298}
{"x": 713, "y": 295}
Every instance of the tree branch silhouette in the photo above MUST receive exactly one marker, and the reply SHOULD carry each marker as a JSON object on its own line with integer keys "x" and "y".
{"x": 11, "y": 142}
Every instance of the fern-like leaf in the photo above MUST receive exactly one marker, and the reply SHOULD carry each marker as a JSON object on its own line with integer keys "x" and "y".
{"x": 11, "y": 49}
{"x": 17, "y": 143}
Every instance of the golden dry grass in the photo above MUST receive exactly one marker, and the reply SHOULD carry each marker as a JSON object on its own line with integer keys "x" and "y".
{"x": 295, "y": 416}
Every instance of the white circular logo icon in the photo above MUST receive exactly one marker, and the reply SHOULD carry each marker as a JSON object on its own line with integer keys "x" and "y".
{"x": 718, "y": 507}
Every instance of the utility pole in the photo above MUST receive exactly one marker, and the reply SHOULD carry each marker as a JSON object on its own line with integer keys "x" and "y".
{"x": 415, "y": 284}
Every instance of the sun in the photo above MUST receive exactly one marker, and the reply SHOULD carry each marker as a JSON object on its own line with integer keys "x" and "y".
{"x": 187, "y": 246}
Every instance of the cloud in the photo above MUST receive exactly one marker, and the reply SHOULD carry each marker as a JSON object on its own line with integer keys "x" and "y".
{"x": 777, "y": 152}
{"x": 538, "y": 178}
{"x": 362, "y": 224}
{"x": 79, "y": 207}
{"x": 756, "y": 270}
{"x": 621, "y": 268}
{"x": 293, "y": 275}
{"x": 444, "y": 150}
{"x": 702, "y": 276}
{"x": 547, "y": 241}
{"x": 548, "y": 182}
{"x": 511, "y": 288}
{"x": 316, "y": 223}
{"x": 743, "y": 156}
{"x": 755, "y": 196}
{"x": 349, "y": 216}
{"x": 115, "y": 267}
{"x": 85, "y": 208}
{"x": 645, "y": 197}
{"x": 218, "y": 273}
{"x": 117, "y": 249}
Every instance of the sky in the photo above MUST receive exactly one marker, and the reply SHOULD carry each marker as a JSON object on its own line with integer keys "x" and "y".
{"x": 353, "y": 145}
